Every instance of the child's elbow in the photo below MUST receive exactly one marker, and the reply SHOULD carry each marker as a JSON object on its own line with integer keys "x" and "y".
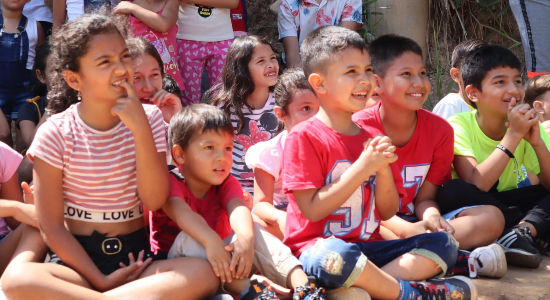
{"x": 384, "y": 216}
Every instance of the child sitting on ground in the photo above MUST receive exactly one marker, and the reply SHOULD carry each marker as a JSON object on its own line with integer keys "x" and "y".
{"x": 494, "y": 148}
{"x": 424, "y": 144}
{"x": 206, "y": 204}
{"x": 98, "y": 160}
{"x": 537, "y": 94}
{"x": 31, "y": 113}
{"x": 457, "y": 102}
{"x": 19, "y": 216}
{"x": 244, "y": 93}
{"x": 340, "y": 183}
{"x": 295, "y": 102}
{"x": 298, "y": 18}
{"x": 19, "y": 38}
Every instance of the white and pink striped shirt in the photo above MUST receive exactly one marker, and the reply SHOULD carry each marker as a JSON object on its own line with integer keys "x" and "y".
{"x": 99, "y": 167}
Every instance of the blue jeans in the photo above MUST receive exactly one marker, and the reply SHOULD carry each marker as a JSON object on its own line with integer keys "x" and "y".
{"x": 16, "y": 81}
{"x": 337, "y": 263}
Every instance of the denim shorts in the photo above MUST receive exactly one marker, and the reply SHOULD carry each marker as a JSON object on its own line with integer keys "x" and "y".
{"x": 448, "y": 216}
{"x": 337, "y": 263}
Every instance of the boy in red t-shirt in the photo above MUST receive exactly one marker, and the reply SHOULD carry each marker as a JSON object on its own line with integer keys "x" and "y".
{"x": 425, "y": 146}
{"x": 206, "y": 215}
{"x": 340, "y": 184}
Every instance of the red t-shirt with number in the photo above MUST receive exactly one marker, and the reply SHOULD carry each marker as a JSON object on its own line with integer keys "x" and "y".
{"x": 427, "y": 156}
{"x": 314, "y": 156}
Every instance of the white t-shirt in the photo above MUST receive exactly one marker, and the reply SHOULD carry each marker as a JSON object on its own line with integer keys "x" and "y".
{"x": 204, "y": 24}
{"x": 450, "y": 105}
{"x": 37, "y": 10}
{"x": 32, "y": 34}
{"x": 75, "y": 9}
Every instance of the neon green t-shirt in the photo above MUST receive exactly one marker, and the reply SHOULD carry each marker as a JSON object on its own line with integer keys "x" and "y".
{"x": 471, "y": 141}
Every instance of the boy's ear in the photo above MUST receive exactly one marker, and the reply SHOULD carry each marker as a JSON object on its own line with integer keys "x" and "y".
{"x": 455, "y": 74}
{"x": 177, "y": 155}
{"x": 377, "y": 86}
{"x": 317, "y": 83}
{"x": 472, "y": 92}
{"x": 279, "y": 113}
{"x": 72, "y": 79}
{"x": 40, "y": 76}
{"x": 537, "y": 105}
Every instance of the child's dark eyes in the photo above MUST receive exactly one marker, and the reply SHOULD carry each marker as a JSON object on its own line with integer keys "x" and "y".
{"x": 228, "y": 149}
{"x": 350, "y": 71}
{"x": 209, "y": 148}
{"x": 127, "y": 55}
{"x": 406, "y": 73}
{"x": 306, "y": 108}
{"x": 103, "y": 62}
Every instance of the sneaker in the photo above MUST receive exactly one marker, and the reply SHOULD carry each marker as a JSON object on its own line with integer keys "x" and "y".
{"x": 258, "y": 291}
{"x": 456, "y": 287}
{"x": 487, "y": 261}
{"x": 543, "y": 244}
{"x": 310, "y": 291}
{"x": 518, "y": 247}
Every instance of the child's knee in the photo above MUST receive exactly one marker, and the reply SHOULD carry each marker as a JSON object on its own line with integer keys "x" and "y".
{"x": 334, "y": 262}
{"x": 441, "y": 247}
{"x": 16, "y": 280}
{"x": 493, "y": 218}
{"x": 185, "y": 245}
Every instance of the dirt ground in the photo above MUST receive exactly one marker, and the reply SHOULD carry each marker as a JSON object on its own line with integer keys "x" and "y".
{"x": 519, "y": 283}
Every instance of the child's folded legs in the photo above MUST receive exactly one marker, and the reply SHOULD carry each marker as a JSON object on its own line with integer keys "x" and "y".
{"x": 271, "y": 257}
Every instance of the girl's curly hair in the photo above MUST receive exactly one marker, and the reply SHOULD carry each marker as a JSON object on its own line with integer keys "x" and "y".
{"x": 236, "y": 84}
{"x": 69, "y": 44}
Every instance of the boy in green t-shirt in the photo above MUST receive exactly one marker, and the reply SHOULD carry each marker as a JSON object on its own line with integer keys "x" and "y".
{"x": 495, "y": 146}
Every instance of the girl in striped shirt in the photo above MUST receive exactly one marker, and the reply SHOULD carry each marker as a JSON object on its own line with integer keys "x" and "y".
{"x": 96, "y": 164}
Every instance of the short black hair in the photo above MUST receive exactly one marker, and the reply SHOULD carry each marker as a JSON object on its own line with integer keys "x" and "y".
{"x": 465, "y": 47}
{"x": 325, "y": 44}
{"x": 194, "y": 120}
{"x": 170, "y": 85}
{"x": 385, "y": 49}
{"x": 476, "y": 64}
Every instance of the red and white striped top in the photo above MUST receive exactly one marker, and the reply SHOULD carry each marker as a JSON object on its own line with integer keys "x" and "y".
{"x": 99, "y": 167}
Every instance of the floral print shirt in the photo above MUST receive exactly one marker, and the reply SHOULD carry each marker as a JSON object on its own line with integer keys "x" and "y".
{"x": 300, "y": 17}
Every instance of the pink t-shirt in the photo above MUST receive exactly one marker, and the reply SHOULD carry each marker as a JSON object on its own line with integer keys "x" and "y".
{"x": 314, "y": 156}
{"x": 213, "y": 208}
{"x": 99, "y": 167}
{"x": 9, "y": 162}
{"x": 164, "y": 42}
{"x": 268, "y": 156}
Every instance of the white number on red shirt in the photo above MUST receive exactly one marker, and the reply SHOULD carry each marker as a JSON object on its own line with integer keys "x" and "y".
{"x": 353, "y": 208}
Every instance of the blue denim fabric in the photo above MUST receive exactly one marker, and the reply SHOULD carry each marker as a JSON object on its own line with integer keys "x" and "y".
{"x": 16, "y": 81}
{"x": 337, "y": 263}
